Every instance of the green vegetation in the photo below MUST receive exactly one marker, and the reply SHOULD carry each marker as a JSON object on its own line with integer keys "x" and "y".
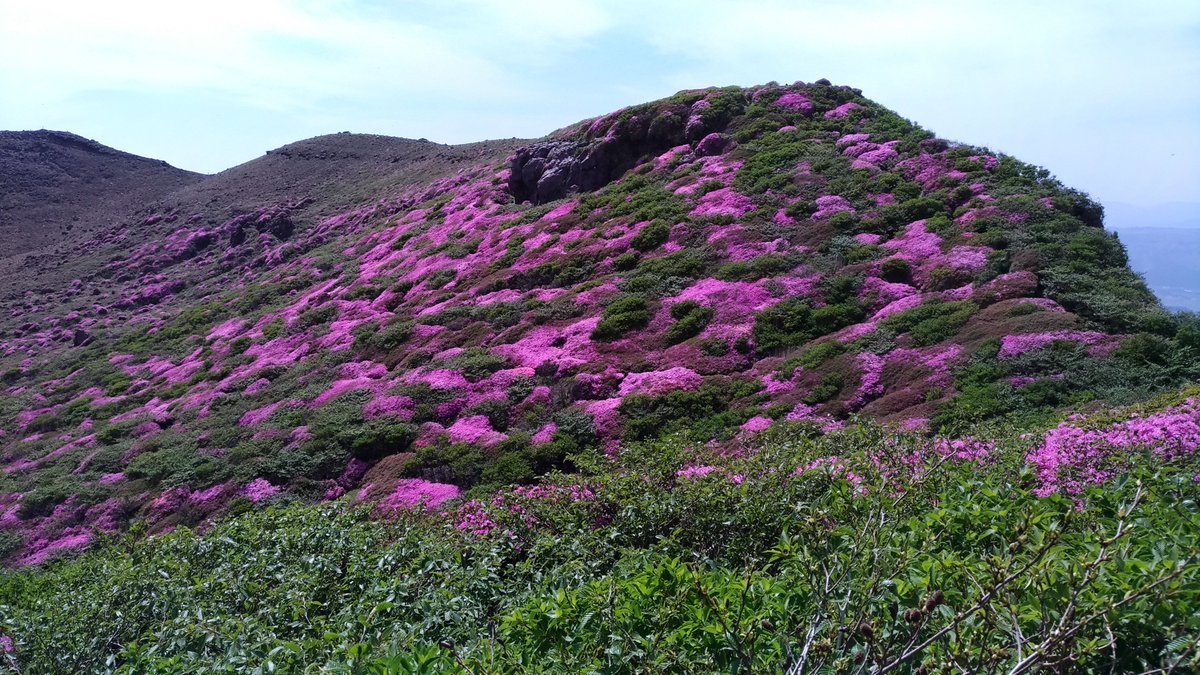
{"x": 794, "y": 322}
{"x": 932, "y": 322}
{"x": 651, "y": 236}
{"x": 622, "y": 315}
{"x": 626, "y": 567}
{"x": 690, "y": 319}
{"x": 711, "y": 411}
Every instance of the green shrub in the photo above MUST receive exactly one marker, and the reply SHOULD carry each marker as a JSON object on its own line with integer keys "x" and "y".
{"x": 476, "y": 363}
{"x": 513, "y": 468}
{"x": 575, "y": 424}
{"x": 843, "y": 221}
{"x": 811, "y": 358}
{"x": 793, "y": 322}
{"x": 651, "y": 236}
{"x": 831, "y": 384}
{"x": 274, "y": 329}
{"x": 756, "y": 268}
{"x": 439, "y": 279}
{"x": 704, "y": 412}
{"x": 895, "y": 270}
{"x": 626, "y": 313}
{"x": 690, "y": 319}
{"x": 1025, "y": 309}
{"x": 625, "y": 262}
{"x": 932, "y": 322}
{"x": 786, "y": 324}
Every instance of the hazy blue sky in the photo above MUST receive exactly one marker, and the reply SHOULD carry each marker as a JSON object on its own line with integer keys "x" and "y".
{"x": 1103, "y": 93}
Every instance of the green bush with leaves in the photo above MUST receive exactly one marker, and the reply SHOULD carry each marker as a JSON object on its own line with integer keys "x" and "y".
{"x": 762, "y": 563}
{"x": 794, "y": 322}
{"x": 626, "y": 313}
{"x": 690, "y": 318}
{"x": 651, "y": 236}
{"x": 932, "y": 322}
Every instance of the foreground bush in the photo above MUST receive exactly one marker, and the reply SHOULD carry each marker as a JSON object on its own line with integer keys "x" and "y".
{"x": 863, "y": 551}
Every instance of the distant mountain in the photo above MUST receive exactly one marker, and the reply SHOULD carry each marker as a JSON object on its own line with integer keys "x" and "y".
{"x": 349, "y": 311}
{"x": 1163, "y": 241}
{"x": 54, "y": 184}
{"x": 1169, "y": 259}
{"x": 1122, "y": 216}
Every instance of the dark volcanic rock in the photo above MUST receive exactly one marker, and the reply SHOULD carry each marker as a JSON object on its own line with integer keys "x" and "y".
{"x": 551, "y": 169}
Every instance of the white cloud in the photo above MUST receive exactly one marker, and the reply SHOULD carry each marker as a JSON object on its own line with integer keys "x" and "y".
{"x": 1049, "y": 82}
{"x": 270, "y": 52}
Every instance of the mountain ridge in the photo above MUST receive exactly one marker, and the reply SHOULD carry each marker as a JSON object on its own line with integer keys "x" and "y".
{"x": 53, "y": 181}
{"x": 351, "y": 311}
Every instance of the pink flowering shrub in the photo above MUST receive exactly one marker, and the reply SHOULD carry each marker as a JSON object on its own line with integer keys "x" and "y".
{"x": 723, "y": 202}
{"x": 756, "y": 424}
{"x": 259, "y": 489}
{"x": 870, "y": 385}
{"x": 831, "y": 204}
{"x": 42, "y": 550}
{"x": 660, "y": 382}
{"x": 1072, "y": 457}
{"x": 516, "y": 511}
{"x": 256, "y": 417}
{"x": 842, "y": 110}
{"x": 1015, "y": 345}
{"x": 693, "y": 472}
{"x": 795, "y": 102}
{"x": 475, "y": 430}
{"x": 413, "y": 493}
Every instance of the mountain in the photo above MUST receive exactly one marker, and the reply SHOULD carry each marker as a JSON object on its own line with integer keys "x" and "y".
{"x": 762, "y": 379}
{"x": 352, "y": 310}
{"x": 54, "y": 184}
{"x": 314, "y": 178}
{"x": 1123, "y": 216}
{"x": 1169, "y": 259}
{"x": 1164, "y": 247}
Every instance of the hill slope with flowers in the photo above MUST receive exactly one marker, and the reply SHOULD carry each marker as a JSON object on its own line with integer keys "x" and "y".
{"x": 743, "y": 380}
{"x": 427, "y": 321}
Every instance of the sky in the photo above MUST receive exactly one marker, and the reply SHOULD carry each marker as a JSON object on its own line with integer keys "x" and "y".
{"x": 1102, "y": 93}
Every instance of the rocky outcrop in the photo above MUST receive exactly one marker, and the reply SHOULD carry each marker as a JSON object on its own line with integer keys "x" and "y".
{"x": 554, "y": 168}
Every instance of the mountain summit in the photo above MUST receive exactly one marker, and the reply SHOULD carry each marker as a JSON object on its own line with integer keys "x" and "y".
{"x": 353, "y": 311}
{"x": 53, "y": 183}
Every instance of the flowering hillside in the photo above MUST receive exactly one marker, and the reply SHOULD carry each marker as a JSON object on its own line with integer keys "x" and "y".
{"x": 715, "y": 265}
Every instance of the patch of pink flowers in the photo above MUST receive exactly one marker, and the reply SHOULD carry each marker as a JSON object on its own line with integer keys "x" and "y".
{"x": 259, "y": 489}
{"x": 693, "y": 472}
{"x": 659, "y": 382}
{"x": 1072, "y": 458}
{"x": 756, "y": 424}
{"x": 723, "y": 202}
{"x": 475, "y": 430}
{"x": 842, "y": 110}
{"x": 795, "y": 102}
{"x": 965, "y": 449}
{"x": 257, "y": 416}
{"x": 870, "y": 384}
{"x": 1015, "y": 345}
{"x": 413, "y": 493}
{"x": 827, "y": 205}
